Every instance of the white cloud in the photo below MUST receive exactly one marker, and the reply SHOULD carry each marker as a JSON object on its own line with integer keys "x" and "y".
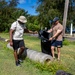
{"x": 22, "y": 1}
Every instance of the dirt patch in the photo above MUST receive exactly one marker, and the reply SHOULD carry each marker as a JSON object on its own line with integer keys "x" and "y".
{"x": 2, "y": 39}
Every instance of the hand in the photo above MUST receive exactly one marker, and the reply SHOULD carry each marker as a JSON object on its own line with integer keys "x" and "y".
{"x": 50, "y": 39}
{"x": 11, "y": 43}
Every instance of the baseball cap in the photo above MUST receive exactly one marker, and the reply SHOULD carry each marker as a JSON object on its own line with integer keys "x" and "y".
{"x": 55, "y": 19}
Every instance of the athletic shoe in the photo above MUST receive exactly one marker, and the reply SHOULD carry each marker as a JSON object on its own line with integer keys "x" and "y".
{"x": 20, "y": 60}
{"x": 18, "y": 63}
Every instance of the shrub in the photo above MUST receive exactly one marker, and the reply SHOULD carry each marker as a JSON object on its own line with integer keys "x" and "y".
{"x": 66, "y": 42}
{"x": 33, "y": 27}
{"x": 52, "y": 67}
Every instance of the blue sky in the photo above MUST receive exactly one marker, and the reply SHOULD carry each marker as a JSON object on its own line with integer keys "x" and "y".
{"x": 27, "y": 5}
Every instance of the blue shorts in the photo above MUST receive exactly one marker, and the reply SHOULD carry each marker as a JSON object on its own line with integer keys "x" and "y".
{"x": 56, "y": 43}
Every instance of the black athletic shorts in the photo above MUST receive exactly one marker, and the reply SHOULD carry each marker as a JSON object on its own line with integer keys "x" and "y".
{"x": 17, "y": 44}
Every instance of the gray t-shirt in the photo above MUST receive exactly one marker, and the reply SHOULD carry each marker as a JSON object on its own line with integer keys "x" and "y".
{"x": 19, "y": 30}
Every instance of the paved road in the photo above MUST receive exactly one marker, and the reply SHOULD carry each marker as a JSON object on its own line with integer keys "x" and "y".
{"x": 70, "y": 38}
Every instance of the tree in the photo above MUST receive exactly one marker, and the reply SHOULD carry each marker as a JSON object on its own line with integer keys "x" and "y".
{"x": 48, "y": 9}
{"x": 13, "y": 3}
{"x": 65, "y": 16}
{"x": 9, "y": 13}
{"x": 33, "y": 24}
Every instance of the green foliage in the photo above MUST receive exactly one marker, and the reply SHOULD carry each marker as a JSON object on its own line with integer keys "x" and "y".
{"x": 33, "y": 24}
{"x": 33, "y": 27}
{"x": 72, "y": 42}
{"x": 48, "y": 9}
{"x": 66, "y": 42}
{"x": 13, "y": 3}
{"x": 52, "y": 67}
{"x": 30, "y": 67}
{"x": 9, "y": 13}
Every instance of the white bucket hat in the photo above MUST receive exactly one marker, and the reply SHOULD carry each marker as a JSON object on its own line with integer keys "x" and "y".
{"x": 22, "y": 19}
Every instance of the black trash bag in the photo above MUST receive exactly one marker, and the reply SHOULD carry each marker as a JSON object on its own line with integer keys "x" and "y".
{"x": 44, "y": 35}
{"x": 45, "y": 43}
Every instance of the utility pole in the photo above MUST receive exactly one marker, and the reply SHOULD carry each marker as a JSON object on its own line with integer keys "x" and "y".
{"x": 65, "y": 15}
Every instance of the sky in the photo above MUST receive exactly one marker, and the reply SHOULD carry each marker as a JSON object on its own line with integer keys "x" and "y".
{"x": 27, "y": 5}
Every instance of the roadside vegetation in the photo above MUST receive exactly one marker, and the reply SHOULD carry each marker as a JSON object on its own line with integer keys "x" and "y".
{"x": 46, "y": 9}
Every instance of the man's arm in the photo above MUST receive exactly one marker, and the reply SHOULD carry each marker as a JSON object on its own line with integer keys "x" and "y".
{"x": 11, "y": 36}
{"x": 57, "y": 33}
{"x": 49, "y": 31}
{"x": 27, "y": 31}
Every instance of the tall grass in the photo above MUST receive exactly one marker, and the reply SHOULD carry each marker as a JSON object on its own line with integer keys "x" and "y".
{"x": 7, "y": 63}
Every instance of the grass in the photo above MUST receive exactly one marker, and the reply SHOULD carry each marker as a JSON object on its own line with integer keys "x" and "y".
{"x": 32, "y": 42}
{"x": 7, "y": 65}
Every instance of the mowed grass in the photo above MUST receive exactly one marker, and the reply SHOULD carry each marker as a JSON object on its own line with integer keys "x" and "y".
{"x": 7, "y": 62}
{"x": 32, "y": 42}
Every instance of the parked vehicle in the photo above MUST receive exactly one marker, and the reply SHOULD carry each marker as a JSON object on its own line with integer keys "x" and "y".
{"x": 68, "y": 30}
{"x": 73, "y": 31}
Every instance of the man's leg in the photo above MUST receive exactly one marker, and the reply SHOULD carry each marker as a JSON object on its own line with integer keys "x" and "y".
{"x": 21, "y": 50}
{"x": 15, "y": 47}
{"x": 21, "y": 46}
{"x": 52, "y": 50}
{"x": 53, "y": 43}
{"x": 59, "y": 45}
{"x": 16, "y": 58}
{"x": 20, "y": 53}
{"x": 15, "y": 55}
{"x": 58, "y": 49}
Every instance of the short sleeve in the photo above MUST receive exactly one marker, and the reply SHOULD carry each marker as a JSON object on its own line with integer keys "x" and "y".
{"x": 60, "y": 27}
{"x": 13, "y": 26}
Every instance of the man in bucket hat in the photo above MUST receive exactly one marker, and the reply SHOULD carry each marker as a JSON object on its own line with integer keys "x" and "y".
{"x": 22, "y": 19}
{"x": 56, "y": 39}
{"x": 16, "y": 38}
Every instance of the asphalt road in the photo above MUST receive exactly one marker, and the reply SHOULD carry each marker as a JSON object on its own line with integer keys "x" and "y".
{"x": 70, "y": 38}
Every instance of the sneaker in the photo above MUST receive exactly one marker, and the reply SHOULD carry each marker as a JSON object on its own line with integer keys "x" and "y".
{"x": 20, "y": 60}
{"x": 18, "y": 63}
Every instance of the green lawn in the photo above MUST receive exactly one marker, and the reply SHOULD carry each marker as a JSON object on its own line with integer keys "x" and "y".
{"x": 7, "y": 65}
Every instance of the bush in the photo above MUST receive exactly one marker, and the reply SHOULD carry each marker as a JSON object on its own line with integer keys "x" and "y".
{"x": 52, "y": 67}
{"x": 66, "y": 42}
{"x": 33, "y": 27}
